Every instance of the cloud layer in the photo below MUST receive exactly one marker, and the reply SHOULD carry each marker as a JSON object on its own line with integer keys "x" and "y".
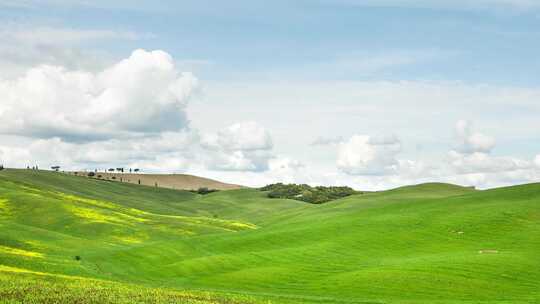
{"x": 134, "y": 113}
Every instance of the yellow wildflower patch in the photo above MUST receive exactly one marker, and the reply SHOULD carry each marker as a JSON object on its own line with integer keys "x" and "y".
{"x": 99, "y": 216}
{"x": 88, "y": 201}
{"x": 20, "y": 252}
{"x": 92, "y": 215}
{"x": 5, "y": 268}
{"x": 243, "y": 225}
{"x": 131, "y": 239}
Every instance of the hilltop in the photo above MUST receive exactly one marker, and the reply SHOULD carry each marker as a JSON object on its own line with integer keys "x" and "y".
{"x": 78, "y": 240}
{"x": 171, "y": 181}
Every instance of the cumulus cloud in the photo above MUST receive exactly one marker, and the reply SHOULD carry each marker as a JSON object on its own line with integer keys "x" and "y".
{"x": 470, "y": 141}
{"x": 479, "y": 162}
{"x": 244, "y": 146}
{"x": 240, "y": 136}
{"x": 373, "y": 161}
{"x": 473, "y": 154}
{"x": 365, "y": 155}
{"x": 136, "y": 96}
{"x": 471, "y": 163}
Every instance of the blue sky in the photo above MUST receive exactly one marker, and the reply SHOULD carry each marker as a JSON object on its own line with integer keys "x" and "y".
{"x": 349, "y": 72}
{"x": 492, "y": 44}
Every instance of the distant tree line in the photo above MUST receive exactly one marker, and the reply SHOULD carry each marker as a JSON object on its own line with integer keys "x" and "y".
{"x": 122, "y": 170}
{"x": 306, "y": 193}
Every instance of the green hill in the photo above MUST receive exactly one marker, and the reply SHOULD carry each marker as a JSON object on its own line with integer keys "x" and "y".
{"x": 72, "y": 239}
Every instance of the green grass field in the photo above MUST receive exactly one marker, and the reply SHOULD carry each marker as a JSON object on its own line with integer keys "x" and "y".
{"x": 432, "y": 243}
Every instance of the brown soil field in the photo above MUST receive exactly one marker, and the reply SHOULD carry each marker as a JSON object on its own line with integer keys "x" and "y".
{"x": 172, "y": 181}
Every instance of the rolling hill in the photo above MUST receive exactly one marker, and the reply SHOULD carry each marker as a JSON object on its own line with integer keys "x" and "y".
{"x": 66, "y": 238}
{"x": 171, "y": 181}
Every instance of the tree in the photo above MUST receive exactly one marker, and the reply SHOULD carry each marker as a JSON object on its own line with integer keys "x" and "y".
{"x": 91, "y": 174}
{"x": 1, "y": 167}
{"x": 205, "y": 190}
{"x": 55, "y": 168}
{"x": 111, "y": 170}
{"x": 136, "y": 170}
{"x": 306, "y": 193}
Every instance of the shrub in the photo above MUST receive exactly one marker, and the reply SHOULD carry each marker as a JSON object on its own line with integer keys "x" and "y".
{"x": 91, "y": 174}
{"x": 77, "y": 258}
{"x": 306, "y": 193}
{"x": 204, "y": 191}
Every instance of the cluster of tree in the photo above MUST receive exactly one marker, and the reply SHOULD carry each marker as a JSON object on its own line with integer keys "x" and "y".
{"x": 1, "y": 167}
{"x": 306, "y": 193}
{"x": 204, "y": 190}
{"x": 121, "y": 170}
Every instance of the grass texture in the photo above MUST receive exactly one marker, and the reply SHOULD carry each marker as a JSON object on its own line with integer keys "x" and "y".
{"x": 430, "y": 243}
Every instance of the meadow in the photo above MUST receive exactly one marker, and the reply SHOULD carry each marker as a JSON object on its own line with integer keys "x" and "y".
{"x": 72, "y": 239}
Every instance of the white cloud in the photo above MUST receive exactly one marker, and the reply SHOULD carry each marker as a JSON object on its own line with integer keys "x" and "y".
{"x": 240, "y": 136}
{"x": 537, "y": 160}
{"x": 141, "y": 94}
{"x": 473, "y": 164}
{"x": 238, "y": 160}
{"x": 417, "y": 169}
{"x": 365, "y": 155}
{"x": 470, "y": 141}
{"x": 244, "y": 146}
{"x": 479, "y": 162}
{"x": 166, "y": 152}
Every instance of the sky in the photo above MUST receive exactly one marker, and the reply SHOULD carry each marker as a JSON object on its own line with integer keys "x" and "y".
{"x": 369, "y": 94}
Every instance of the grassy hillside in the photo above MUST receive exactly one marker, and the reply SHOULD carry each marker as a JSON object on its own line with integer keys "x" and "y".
{"x": 431, "y": 243}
